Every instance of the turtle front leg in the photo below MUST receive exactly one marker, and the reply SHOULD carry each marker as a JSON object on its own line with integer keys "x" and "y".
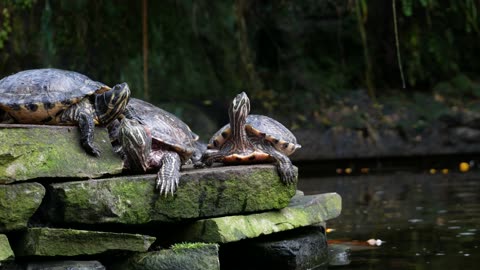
{"x": 168, "y": 176}
{"x": 87, "y": 127}
{"x": 82, "y": 113}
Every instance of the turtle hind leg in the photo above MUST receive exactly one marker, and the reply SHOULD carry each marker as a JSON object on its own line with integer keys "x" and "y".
{"x": 285, "y": 168}
{"x": 209, "y": 156}
{"x": 168, "y": 176}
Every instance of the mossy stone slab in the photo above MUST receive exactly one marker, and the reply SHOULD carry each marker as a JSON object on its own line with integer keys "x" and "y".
{"x": 40, "y": 151}
{"x": 70, "y": 242}
{"x": 302, "y": 211}
{"x": 201, "y": 256}
{"x": 65, "y": 265}
{"x": 6, "y": 253}
{"x": 201, "y": 193}
{"x": 18, "y": 202}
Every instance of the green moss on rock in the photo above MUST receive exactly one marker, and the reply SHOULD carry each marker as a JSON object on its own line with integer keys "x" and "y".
{"x": 194, "y": 257}
{"x": 69, "y": 242}
{"x": 18, "y": 202}
{"x": 6, "y": 252}
{"x": 34, "y": 151}
{"x": 302, "y": 211}
{"x": 201, "y": 193}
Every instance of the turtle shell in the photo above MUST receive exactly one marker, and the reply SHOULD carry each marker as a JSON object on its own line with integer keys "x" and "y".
{"x": 260, "y": 126}
{"x": 165, "y": 128}
{"x": 39, "y": 95}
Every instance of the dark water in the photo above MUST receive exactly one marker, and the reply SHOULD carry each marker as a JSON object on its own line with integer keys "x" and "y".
{"x": 426, "y": 221}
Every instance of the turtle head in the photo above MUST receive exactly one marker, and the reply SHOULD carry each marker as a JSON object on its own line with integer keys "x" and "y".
{"x": 136, "y": 143}
{"x": 111, "y": 104}
{"x": 239, "y": 109}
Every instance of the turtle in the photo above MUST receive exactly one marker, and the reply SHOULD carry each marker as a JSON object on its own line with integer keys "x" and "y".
{"x": 152, "y": 139}
{"x": 251, "y": 138}
{"x": 61, "y": 97}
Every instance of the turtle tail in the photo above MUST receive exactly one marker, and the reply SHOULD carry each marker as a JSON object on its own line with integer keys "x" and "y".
{"x": 169, "y": 174}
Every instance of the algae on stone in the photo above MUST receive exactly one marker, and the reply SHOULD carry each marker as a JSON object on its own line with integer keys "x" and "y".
{"x": 6, "y": 252}
{"x": 302, "y": 211}
{"x": 35, "y": 151}
{"x": 18, "y": 202}
{"x": 70, "y": 242}
{"x": 198, "y": 257}
{"x": 65, "y": 265}
{"x": 201, "y": 193}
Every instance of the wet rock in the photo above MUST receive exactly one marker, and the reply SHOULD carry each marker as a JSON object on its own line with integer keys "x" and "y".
{"x": 339, "y": 255}
{"x": 302, "y": 211}
{"x": 6, "y": 252}
{"x": 69, "y": 242}
{"x": 201, "y": 193}
{"x": 303, "y": 248}
{"x": 18, "y": 202}
{"x": 196, "y": 256}
{"x": 66, "y": 265}
{"x": 35, "y": 151}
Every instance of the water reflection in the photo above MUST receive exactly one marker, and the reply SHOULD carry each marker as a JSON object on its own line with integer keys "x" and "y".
{"x": 425, "y": 221}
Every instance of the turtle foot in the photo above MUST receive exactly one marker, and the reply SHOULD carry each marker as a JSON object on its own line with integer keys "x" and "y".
{"x": 167, "y": 185}
{"x": 287, "y": 173}
{"x": 199, "y": 165}
{"x": 91, "y": 149}
{"x": 168, "y": 176}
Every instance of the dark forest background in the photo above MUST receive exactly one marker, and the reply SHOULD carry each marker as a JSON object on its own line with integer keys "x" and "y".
{"x": 306, "y": 62}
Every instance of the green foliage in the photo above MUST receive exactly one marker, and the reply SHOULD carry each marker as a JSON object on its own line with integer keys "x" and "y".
{"x": 292, "y": 57}
{"x": 6, "y": 27}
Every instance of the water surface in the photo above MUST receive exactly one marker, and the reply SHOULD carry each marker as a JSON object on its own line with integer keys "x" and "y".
{"x": 425, "y": 221}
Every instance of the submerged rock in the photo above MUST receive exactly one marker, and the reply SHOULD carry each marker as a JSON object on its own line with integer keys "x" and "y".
{"x": 192, "y": 256}
{"x": 6, "y": 252}
{"x": 18, "y": 202}
{"x": 302, "y": 211}
{"x": 201, "y": 193}
{"x": 35, "y": 151}
{"x": 69, "y": 242}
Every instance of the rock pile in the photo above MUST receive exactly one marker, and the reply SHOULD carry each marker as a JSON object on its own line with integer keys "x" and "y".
{"x": 63, "y": 209}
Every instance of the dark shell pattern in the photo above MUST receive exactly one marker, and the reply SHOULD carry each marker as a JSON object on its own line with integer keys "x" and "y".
{"x": 31, "y": 96}
{"x": 261, "y": 126}
{"x": 165, "y": 128}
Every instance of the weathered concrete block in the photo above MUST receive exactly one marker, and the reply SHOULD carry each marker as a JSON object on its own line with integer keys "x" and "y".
{"x": 6, "y": 252}
{"x": 195, "y": 256}
{"x": 18, "y": 202}
{"x": 66, "y": 265}
{"x": 69, "y": 242}
{"x": 34, "y": 151}
{"x": 302, "y": 211}
{"x": 201, "y": 193}
{"x": 302, "y": 248}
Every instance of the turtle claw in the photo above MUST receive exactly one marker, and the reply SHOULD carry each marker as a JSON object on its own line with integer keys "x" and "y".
{"x": 167, "y": 185}
{"x": 169, "y": 174}
{"x": 287, "y": 173}
{"x": 91, "y": 149}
